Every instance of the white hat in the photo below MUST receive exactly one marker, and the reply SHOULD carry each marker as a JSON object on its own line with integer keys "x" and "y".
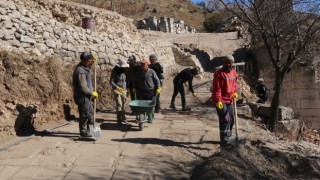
{"x": 260, "y": 80}
{"x": 230, "y": 58}
{"x": 122, "y": 63}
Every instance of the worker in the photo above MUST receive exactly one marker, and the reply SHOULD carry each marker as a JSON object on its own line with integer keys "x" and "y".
{"x": 147, "y": 83}
{"x": 184, "y": 76}
{"x": 156, "y": 66}
{"x": 261, "y": 91}
{"x": 118, "y": 83}
{"x": 223, "y": 94}
{"x": 131, "y": 76}
{"x": 83, "y": 92}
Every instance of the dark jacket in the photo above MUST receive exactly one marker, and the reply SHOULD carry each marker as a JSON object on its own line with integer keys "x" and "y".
{"x": 82, "y": 83}
{"x": 185, "y": 75}
{"x": 158, "y": 69}
{"x": 262, "y": 92}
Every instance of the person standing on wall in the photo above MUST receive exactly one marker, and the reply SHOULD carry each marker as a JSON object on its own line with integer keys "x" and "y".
{"x": 131, "y": 76}
{"x": 118, "y": 83}
{"x": 83, "y": 92}
{"x": 156, "y": 66}
{"x": 223, "y": 94}
{"x": 184, "y": 76}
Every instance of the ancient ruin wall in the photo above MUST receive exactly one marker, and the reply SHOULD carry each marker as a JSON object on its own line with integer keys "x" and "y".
{"x": 300, "y": 90}
{"x": 32, "y": 30}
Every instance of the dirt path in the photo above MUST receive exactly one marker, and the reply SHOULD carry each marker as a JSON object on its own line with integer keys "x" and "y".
{"x": 221, "y": 43}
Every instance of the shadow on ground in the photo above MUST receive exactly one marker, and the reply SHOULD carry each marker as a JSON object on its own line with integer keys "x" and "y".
{"x": 166, "y": 142}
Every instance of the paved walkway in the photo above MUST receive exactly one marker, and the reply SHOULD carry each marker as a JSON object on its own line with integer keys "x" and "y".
{"x": 167, "y": 149}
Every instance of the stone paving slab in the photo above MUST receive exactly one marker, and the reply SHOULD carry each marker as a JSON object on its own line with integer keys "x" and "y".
{"x": 78, "y": 173}
{"x": 132, "y": 173}
{"x": 152, "y": 132}
{"x": 38, "y": 172}
{"x": 6, "y": 172}
{"x": 97, "y": 155}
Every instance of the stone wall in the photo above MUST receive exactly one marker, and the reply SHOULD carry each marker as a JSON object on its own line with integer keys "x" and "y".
{"x": 165, "y": 24}
{"x": 26, "y": 31}
{"x": 300, "y": 90}
{"x": 45, "y": 35}
{"x": 185, "y": 59}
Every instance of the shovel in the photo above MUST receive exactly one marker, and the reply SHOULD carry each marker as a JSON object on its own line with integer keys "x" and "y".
{"x": 95, "y": 129}
{"x": 236, "y": 119}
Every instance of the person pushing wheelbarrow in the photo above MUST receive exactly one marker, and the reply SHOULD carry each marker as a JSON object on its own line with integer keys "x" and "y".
{"x": 147, "y": 83}
{"x": 223, "y": 95}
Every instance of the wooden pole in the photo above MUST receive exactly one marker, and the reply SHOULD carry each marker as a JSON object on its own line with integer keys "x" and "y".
{"x": 236, "y": 119}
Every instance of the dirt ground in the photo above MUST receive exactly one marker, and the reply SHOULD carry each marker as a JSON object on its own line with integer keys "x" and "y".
{"x": 259, "y": 154}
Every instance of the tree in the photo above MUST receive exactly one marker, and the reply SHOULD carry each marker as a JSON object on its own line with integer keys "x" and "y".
{"x": 214, "y": 22}
{"x": 287, "y": 29}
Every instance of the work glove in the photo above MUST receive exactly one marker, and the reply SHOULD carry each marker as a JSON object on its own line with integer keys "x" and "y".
{"x": 194, "y": 94}
{"x": 120, "y": 89}
{"x": 94, "y": 59}
{"x": 95, "y": 94}
{"x": 158, "y": 91}
{"x": 134, "y": 90}
{"x": 235, "y": 95}
{"x": 219, "y": 105}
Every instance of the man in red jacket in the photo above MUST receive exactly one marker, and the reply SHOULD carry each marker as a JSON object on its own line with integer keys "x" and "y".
{"x": 224, "y": 91}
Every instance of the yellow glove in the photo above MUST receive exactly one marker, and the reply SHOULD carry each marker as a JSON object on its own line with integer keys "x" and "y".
{"x": 194, "y": 94}
{"x": 219, "y": 105}
{"x": 134, "y": 90}
{"x": 120, "y": 89}
{"x": 235, "y": 95}
{"x": 95, "y": 94}
{"x": 158, "y": 91}
{"x": 94, "y": 59}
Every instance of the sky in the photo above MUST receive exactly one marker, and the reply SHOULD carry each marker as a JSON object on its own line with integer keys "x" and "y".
{"x": 198, "y": 0}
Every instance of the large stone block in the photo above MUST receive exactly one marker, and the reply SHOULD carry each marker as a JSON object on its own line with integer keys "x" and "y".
{"x": 285, "y": 113}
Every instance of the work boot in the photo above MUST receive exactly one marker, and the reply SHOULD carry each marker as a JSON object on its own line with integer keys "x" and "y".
{"x": 123, "y": 116}
{"x": 85, "y": 134}
{"x": 186, "y": 109}
{"x": 119, "y": 117}
{"x": 172, "y": 106}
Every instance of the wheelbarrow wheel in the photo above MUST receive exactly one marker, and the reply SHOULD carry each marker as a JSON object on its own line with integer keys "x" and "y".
{"x": 141, "y": 122}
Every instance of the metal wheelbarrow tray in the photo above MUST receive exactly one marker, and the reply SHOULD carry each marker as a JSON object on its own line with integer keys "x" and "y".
{"x": 142, "y": 108}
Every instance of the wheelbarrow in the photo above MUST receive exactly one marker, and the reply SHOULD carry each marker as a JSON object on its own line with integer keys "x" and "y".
{"x": 144, "y": 111}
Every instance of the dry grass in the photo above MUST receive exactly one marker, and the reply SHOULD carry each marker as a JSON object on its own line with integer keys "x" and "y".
{"x": 140, "y": 9}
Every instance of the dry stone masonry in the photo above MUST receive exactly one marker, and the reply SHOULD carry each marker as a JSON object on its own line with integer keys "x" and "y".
{"x": 43, "y": 34}
{"x": 300, "y": 90}
{"x": 165, "y": 24}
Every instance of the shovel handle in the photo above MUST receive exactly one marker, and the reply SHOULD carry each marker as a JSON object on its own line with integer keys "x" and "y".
{"x": 95, "y": 89}
{"x": 236, "y": 118}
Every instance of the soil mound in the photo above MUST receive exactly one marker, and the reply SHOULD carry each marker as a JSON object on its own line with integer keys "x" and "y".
{"x": 257, "y": 162}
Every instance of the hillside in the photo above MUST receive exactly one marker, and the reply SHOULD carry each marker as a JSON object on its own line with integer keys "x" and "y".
{"x": 140, "y": 9}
